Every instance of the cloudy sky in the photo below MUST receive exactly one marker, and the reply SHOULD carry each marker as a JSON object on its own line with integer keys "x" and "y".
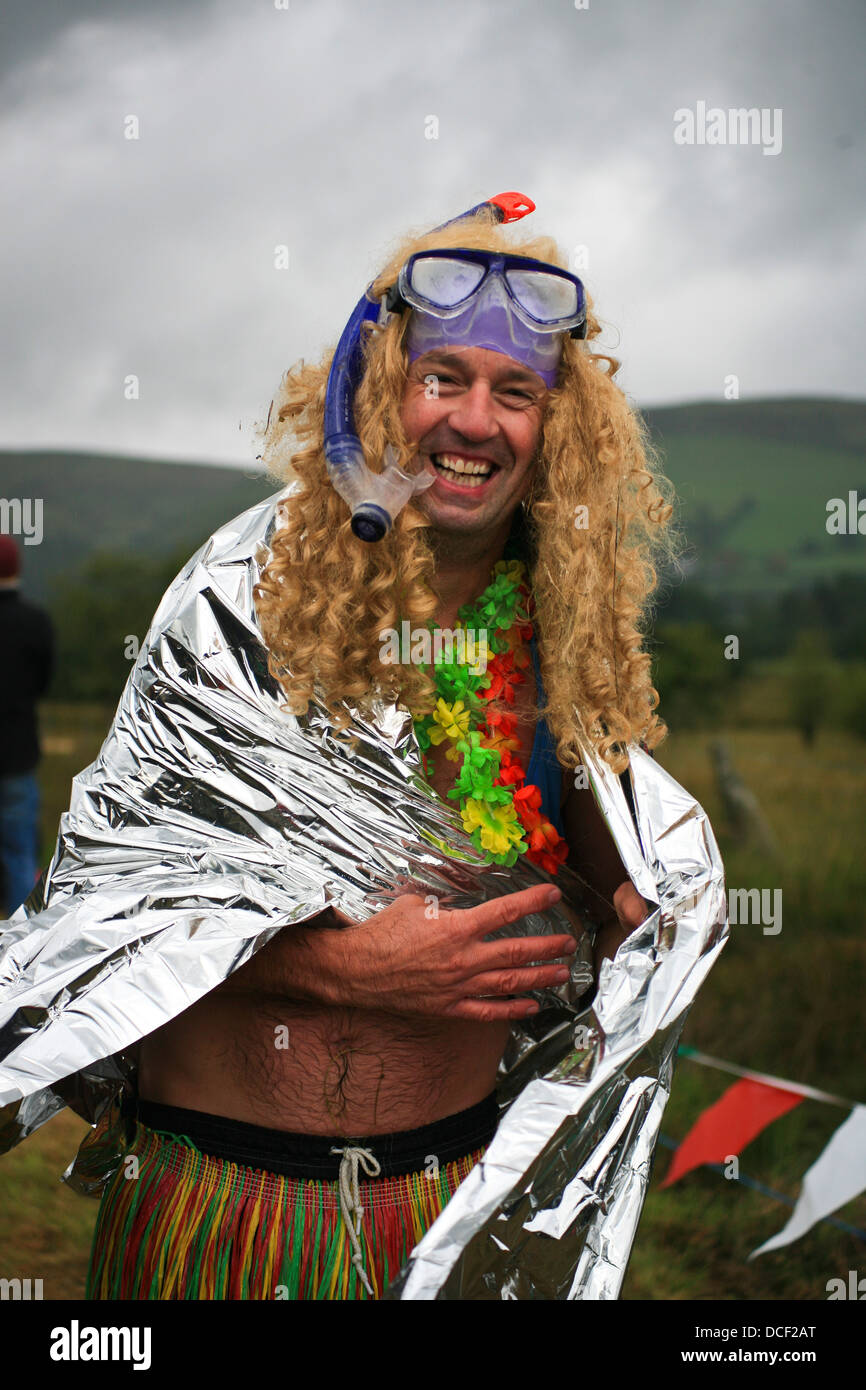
{"x": 305, "y": 123}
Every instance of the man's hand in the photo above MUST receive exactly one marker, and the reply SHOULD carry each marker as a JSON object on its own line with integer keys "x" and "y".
{"x": 631, "y": 910}
{"x": 407, "y": 962}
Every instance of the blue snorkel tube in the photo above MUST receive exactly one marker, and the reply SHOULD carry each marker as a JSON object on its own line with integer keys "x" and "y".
{"x": 375, "y": 499}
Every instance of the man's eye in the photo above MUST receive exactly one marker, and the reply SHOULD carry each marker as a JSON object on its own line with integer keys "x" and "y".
{"x": 522, "y": 395}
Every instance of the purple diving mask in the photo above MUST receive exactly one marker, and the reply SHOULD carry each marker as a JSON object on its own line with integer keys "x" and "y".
{"x": 510, "y": 304}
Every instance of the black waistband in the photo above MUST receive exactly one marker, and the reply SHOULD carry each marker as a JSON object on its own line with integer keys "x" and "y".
{"x": 308, "y": 1156}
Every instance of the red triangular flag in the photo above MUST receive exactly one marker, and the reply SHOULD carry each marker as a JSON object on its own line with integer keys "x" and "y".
{"x": 727, "y": 1127}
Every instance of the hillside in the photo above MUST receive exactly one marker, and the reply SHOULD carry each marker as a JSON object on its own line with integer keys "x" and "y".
{"x": 753, "y": 479}
{"x": 97, "y": 502}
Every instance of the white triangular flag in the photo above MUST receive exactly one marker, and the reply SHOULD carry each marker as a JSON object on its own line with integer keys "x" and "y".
{"x": 834, "y": 1179}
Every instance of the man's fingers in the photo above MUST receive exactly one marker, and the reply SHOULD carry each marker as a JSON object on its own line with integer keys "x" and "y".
{"x": 505, "y": 911}
{"x": 493, "y": 1010}
{"x": 516, "y": 951}
{"x": 519, "y": 981}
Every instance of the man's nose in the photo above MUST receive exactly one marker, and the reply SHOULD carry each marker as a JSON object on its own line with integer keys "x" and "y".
{"x": 473, "y": 415}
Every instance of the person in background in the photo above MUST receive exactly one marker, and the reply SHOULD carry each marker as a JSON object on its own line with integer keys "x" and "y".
{"x": 27, "y": 648}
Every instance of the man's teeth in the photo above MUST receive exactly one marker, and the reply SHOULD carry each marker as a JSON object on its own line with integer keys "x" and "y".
{"x": 473, "y": 471}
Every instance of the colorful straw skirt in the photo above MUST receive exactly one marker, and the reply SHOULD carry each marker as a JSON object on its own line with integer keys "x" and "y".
{"x": 202, "y": 1207}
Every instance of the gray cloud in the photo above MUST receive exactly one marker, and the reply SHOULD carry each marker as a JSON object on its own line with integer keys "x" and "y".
{"x": 30, "y": 29}
{"x": 306, "y": 127}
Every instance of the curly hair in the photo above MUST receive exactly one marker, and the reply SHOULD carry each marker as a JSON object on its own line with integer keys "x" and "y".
{"x": 325, "y": 596}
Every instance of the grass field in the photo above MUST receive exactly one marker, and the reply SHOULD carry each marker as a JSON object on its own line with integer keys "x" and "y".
{"x": 789, "y": 1004}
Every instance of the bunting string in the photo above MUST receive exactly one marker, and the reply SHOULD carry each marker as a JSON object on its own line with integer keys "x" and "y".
{"x": 808, "y": 1092}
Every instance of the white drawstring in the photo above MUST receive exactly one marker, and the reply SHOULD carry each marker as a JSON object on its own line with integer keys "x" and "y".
{"x": 350, "y": 1199}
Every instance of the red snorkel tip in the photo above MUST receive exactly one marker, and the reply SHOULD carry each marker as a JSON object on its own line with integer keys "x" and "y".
{"x": 513, "y": 206}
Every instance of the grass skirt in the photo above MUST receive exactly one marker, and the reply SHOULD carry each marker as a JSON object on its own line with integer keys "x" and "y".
{"x": 175, "y": 1223}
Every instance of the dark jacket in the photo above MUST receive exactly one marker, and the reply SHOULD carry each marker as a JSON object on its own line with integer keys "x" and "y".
{"x": 26, "y": 666}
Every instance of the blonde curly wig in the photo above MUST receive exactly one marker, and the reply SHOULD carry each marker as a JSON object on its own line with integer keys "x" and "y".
{"x": 325, "y": 596}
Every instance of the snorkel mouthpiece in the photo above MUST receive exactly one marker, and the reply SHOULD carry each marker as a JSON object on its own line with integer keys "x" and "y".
{"x": 375, "y": 499}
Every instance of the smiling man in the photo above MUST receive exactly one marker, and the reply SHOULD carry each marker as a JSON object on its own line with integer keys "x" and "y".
{"x": 309, "y": 1169}
{"x": 480, "y": 429}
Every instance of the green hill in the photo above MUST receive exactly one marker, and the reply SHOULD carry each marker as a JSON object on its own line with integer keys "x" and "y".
{"x": 753, "y": 477}
{"x": 93, "y": 502}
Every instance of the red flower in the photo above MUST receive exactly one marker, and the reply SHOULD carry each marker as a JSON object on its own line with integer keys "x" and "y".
{"x": 511, "y": 774}
{"x": 527, "y": 803}
{"x": 503, "y": 678}
{"x": 499, "y": 733}
{"x": 503, "y": 721}
{"x": 546, "y": 845}
{"x": 550, "y": 858}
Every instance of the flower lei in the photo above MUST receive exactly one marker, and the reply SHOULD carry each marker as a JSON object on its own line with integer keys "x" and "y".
{"x": 501, "y": 811}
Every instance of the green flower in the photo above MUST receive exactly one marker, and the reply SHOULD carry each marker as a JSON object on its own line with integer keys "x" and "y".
{"x": 455, "y": 681}
{"x": 496, "y": 607}
{"x": 478, "y": 770}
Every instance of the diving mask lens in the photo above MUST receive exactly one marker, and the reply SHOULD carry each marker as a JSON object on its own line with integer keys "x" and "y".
{"x": 544, "y": 296}
{"x": 549, "y": 299}
{"x": 444, "y": 283}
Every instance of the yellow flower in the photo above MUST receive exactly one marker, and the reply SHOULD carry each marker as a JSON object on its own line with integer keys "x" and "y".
{"x": 499, "y": 826}
{"x": 452, "y": 722}
{"x": 512, "y": 569}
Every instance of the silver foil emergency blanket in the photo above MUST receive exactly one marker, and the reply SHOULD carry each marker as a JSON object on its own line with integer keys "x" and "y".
{"x": 212, "y": 819}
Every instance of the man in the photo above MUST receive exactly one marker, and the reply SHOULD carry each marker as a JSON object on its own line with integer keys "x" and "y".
{"x": 309, "y": 1166}
{"x": 27, "y": 646}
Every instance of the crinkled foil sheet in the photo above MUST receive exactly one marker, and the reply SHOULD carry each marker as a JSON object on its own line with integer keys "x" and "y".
{"x": 213, "y": 819}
